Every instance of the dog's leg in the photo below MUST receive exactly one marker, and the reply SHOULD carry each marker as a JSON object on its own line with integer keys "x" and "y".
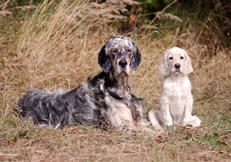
{"x": 187, "y": 111}
{"x": 118, "y": 115}
{"x": 165, "y": 114}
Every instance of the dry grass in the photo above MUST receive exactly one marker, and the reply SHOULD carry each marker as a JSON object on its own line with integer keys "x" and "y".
{"x": 58, "y": 47}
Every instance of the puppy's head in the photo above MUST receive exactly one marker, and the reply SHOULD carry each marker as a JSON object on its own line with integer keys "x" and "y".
{"x": 119, "y": 53}
{"x": 175, "y": 61}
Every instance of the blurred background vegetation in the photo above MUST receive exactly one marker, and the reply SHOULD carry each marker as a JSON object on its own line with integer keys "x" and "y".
{"x": 207, "y": 22}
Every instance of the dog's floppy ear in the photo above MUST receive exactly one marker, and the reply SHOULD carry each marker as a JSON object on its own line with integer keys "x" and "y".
{"x": 104, "y": 60}
{"x": 136, "y": 58}
{"x": 188, "y": 64}
{"x": 163, "y": 66}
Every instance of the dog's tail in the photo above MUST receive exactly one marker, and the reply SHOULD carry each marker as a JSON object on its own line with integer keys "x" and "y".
{"x": 31, "y": 106}
{"x": 45, "y": 107}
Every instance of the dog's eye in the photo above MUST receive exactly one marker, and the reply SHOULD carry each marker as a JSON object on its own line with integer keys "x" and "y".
{"x": 130, "y": 54}
{"x": 170, "y": 58}
{"x": 129, "y": 50}
{"x": 181, "y": 57}
{"x": 115, "y": 50}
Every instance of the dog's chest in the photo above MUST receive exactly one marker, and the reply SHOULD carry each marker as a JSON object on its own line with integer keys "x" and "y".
{"x": 176, "y": 92}
{"x": 116, "y": 98}
{"x": 177, "y": 88}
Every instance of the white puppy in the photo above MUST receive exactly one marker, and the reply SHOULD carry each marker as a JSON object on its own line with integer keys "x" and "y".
{"x": 176, "y": 100}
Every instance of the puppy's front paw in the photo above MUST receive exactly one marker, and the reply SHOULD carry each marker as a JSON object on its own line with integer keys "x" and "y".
{"x": 167, "y": 119}
{"x": 169, "y": 123}
{"x": 186, "y": 120}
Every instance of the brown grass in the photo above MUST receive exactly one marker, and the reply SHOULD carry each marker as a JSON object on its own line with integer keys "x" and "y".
{"x": 58, "y": 47}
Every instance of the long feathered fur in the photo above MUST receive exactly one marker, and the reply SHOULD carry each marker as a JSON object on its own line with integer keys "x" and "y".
{"x": 103, "y": 99}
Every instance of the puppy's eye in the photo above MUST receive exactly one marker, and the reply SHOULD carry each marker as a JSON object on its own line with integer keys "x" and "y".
{"x": 181, "y": 57}
{"x": 170, "y": 58}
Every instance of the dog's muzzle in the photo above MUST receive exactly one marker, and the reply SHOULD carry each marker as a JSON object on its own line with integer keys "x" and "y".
{"x": 123, "y": 63}
{"x": 123, "y": 69}
{"x": 177, "y": 67}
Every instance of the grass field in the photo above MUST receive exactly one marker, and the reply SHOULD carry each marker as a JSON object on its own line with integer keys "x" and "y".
{"x": 57, "y": 47}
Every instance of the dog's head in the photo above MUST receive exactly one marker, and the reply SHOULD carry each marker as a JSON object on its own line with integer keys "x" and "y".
{"x": 175, "y": 61}
{"x": 119, "y": 53}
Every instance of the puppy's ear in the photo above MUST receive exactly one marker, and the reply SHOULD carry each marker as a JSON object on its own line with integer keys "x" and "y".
{"x": 104, "y": 60}
{"x": 136, "y": 58}
{"x": 188, "y": 65}
{"x": 163, "y": 66}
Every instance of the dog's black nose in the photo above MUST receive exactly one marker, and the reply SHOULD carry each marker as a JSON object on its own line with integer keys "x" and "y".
{"x": 123, "y": 63}
{"x": 177, "y": 65}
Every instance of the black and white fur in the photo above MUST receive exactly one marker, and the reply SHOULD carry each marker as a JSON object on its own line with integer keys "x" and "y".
{"x": 103, "y": 99}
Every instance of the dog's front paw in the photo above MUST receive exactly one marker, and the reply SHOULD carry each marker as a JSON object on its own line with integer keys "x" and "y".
{"x": 167, "y": 119}
{"x": 169, "y": 123}
{"x": 186, "y": 120}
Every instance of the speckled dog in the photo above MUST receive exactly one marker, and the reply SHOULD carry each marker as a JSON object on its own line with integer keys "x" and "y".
{"x": 104, "y": 99}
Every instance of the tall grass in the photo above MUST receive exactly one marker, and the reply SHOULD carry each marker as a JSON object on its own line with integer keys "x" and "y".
{"x": 69, "y": 31}
{"x": 57, "y": 46}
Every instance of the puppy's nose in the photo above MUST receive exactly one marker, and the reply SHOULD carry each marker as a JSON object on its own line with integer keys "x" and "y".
{"x": 123, "y": 63}
{"x": 177, "y": 65}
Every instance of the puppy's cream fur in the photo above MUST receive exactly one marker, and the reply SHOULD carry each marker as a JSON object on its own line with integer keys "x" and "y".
{"x": 176, "y": 100}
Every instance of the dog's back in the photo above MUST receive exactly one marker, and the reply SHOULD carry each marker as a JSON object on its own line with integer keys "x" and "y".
{"x": 88, "y": 104}
{"x": 59, "y": 108}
